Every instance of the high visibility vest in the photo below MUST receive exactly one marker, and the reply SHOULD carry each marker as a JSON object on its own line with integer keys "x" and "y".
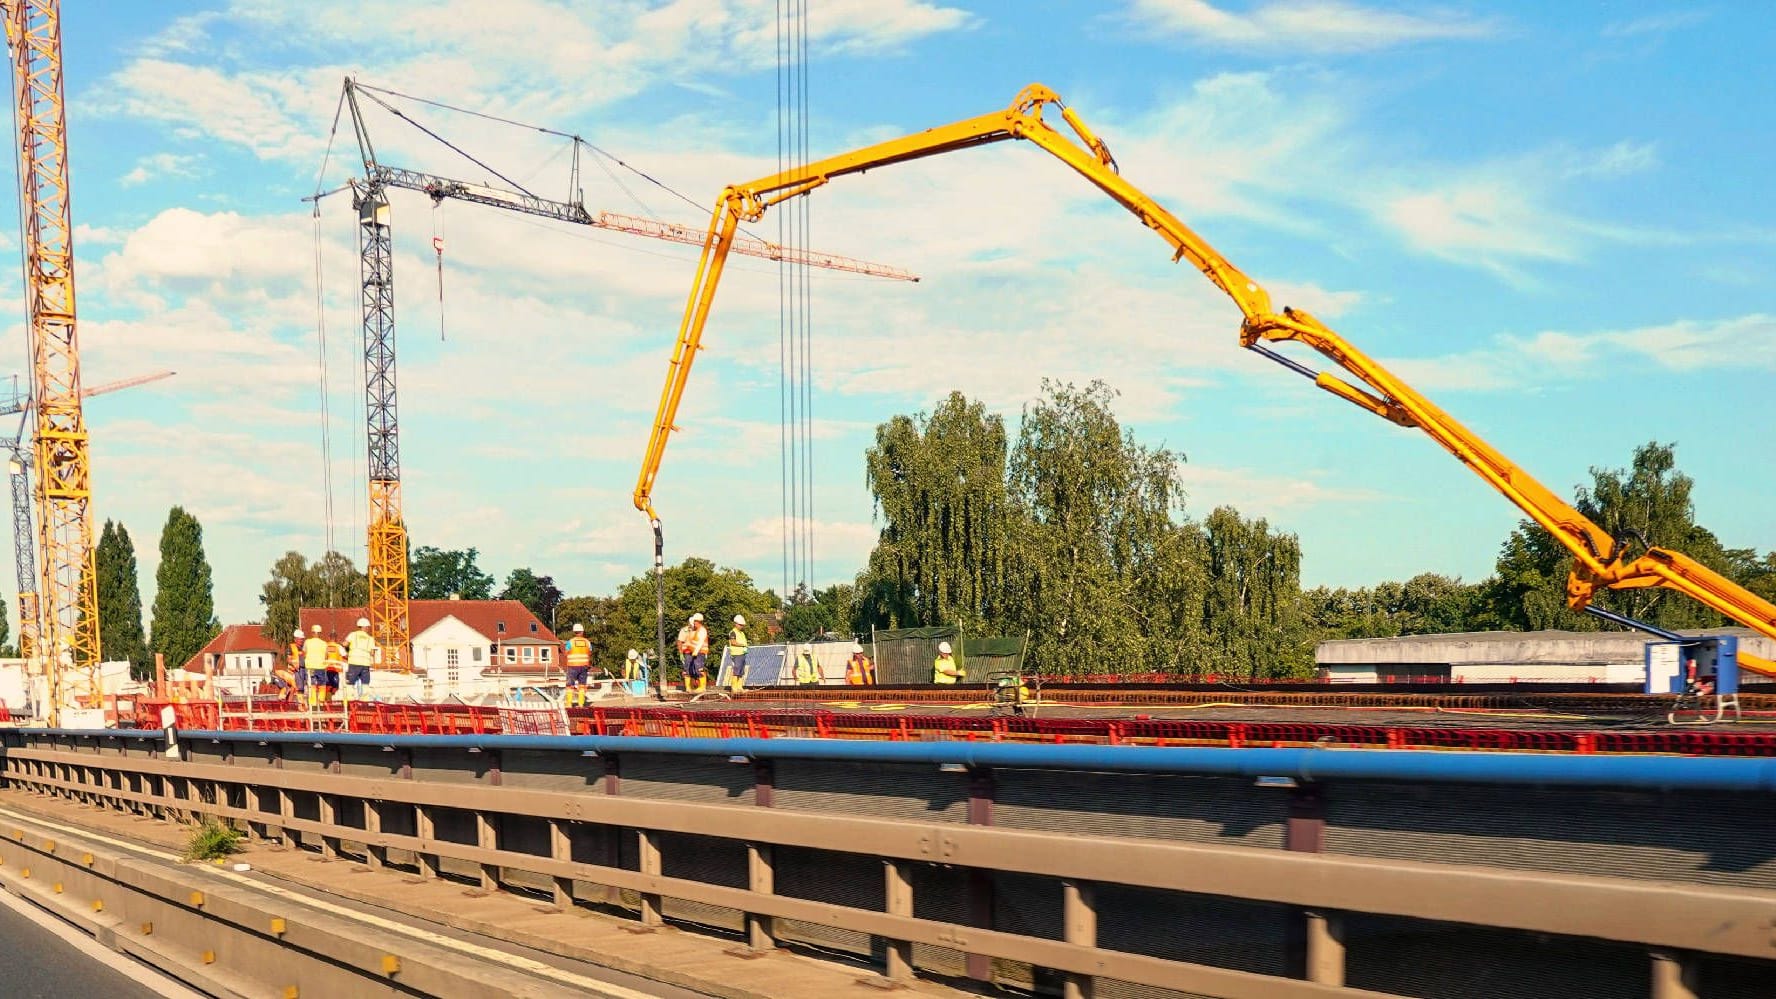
{"x": 699, "y": 641}
{"x": 859, "y": 670}
{"x": 314, "y": 652}
{"x": 737, "y": 642}
{"x": 360, "y": 648}
{"x": 941, "y": 670}
{"x": 807, "y": 671}
{"x": 295, "y": 655}
{"x": 579, "y": 652}
{"x": 335, "y": 656}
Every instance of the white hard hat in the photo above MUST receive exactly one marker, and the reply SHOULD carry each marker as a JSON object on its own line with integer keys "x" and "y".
{"x": 634, "y": 654}
{"x": 740, "y": 619}
{"x": 807, "y": 647}
{"x": 697, "y": 616}
{"x": 579, "y": 628}
{"x": 943, "y": 647}
{"x": 363, "y": 622}
{"x": 856, "y": 648}
{"x": 316, "y": 629}
{"x": 298, "y": 632}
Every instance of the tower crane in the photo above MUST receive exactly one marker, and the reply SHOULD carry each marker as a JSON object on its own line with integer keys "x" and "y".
{"x": 387, "y": 567}
{"x": 63, "y": 467}
{"x": 23, "y": 547}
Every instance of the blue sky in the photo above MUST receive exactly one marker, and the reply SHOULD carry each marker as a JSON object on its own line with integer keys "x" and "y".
{"x": 1555, "y": 219}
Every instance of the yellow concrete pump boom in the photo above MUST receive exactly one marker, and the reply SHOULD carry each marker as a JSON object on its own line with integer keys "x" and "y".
{"x": 1599, "y": 560}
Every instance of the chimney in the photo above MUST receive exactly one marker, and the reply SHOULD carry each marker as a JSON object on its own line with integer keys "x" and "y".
{"x": 456, "y": 596}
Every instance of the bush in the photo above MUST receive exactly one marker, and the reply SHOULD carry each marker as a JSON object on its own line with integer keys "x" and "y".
{"x": 213, "y": 841}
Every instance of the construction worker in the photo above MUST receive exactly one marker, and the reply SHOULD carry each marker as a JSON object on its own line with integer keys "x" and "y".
{"x": 737, "y": 654}
{"x": 632, "y": 666}
{"x": 335, "y": 665}
{"x": 361, "y": 652}
{"x": 859, "y": 671}
{"x": 807, "y": 671}
{"x": 298, "y": 674}
{"x": 693, "y": 645}
{"x": 579, "y": 667}
{"x": 944, "y": 670}
{"x": 314, "y": 661}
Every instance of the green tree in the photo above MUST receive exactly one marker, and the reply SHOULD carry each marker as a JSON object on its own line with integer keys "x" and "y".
{"x": 120, "y": 601}
{"x": 296, "y": 583}
{"x": 538, "y": 593}
{"x": 435, "y": 574}
{"x": 694, "y": 585}
{"x": 947, "y": 523}
{"x": 1097, "y": 506}
{"x": 605, "y": 628}
{"x": 1251, "y": 611}
{"x": 184, "y": 604}
{"x": 1646, "y": 504}
{"x": 827, "y": 612}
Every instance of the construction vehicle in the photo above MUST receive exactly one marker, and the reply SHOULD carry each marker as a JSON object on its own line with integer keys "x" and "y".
{"x": 1600, "y": 561}
{"x": 387, "y": 562}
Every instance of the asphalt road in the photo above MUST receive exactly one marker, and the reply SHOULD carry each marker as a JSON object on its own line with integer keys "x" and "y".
{"x": 40, "y": 965}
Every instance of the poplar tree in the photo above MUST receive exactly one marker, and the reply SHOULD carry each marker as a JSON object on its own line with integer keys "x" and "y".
{"x": 184, "y": 602}
{"x": 120, "y": 601}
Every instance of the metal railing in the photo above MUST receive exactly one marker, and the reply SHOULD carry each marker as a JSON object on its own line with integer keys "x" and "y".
{"x": 553, "y": 815}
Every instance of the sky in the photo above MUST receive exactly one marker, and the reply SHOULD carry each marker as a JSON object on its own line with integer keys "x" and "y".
{"x": 1555, "y": 219}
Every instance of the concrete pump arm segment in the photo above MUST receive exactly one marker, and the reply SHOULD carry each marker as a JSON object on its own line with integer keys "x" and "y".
{"x": 1599, "y": 559}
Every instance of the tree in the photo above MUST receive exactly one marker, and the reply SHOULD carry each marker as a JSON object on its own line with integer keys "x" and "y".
{"x": 538, "y": 593}
{"x": 295, "y": 583}
{"x": 435, "y": 574}
{"x": 605, "y": 628}
{"x": 1647, "y": 504}
{"x": 1251, "y": 612}
{"x": 947, "y": 534}
{"x": 184, "y": 604}
{"x": 120, "y": 601}
{"x": 694, "y": 585}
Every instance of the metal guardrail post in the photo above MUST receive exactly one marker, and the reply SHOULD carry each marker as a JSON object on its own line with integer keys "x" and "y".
{"x": 375, "y": 857}
{"x": 1674, "y": 975}
{"x": 425, "y": 831}
{"x": 328, "y": 806}
{"x": 648, "y": 843}
{"x": 1079, "y": 914}
{"x": 1325, "y": 948}
{"x": 487, "y": 838}
{"x": 761, "y": 879}
{"x": 979, "y": 891}
{"x": 898, "y": 877}
{"x": 561, "y": 848}
{"x": 287, "y": 811}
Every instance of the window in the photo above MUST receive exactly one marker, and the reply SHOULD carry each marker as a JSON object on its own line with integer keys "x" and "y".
{"x": 501, "y": 626}
{"x": 533, "y": 627}
{"x": 511, "y": 653}
{"x": 477, "y": 653}
{"x": 543, "y": 654}
{"x": 452, "y": 661}
{"x": 529, "y": 654}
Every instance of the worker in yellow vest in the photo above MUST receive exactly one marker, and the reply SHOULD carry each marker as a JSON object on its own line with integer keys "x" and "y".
{"x": 314, "y": 662}
{"x": 944, "y": 670}
{"x": 859, "y": 671}
{"x": 807, "y": 671}
{"x": 579, "y": 667}
{"x": 335, "y": 666}
{"x": 693, "y": 646}
{"x": 361, "y": 652}
{"x": 632, "y": 666}
{"x": 737, "y": 647}
{"x": 293, "y": 664}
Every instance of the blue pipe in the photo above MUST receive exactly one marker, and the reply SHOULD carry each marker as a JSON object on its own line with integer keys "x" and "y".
{"x": 1418, "y": 766}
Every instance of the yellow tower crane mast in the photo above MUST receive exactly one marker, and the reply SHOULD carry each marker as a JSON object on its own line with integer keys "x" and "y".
{"x": 70, "y": 606}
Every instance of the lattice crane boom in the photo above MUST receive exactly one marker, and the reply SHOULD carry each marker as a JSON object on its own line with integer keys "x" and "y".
{"x": 387, "y": 566}
{"x": 63, "y": 465}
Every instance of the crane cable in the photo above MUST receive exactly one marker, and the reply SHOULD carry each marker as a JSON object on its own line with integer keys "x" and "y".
{"x": 794, "y": 310}
{"x": 438, "y": 248}
{"x": 329, "y": 520}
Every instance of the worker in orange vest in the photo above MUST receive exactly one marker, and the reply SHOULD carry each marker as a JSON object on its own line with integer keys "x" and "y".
{"x": 859, "y": 671}
{"x": 335, "y": 665}
{"x": 579, "y": 667}
{"x": 693, "y": 645}
{"x": 298, "y": 676}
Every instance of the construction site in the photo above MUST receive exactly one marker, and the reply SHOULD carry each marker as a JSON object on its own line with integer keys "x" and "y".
{"x": 406, "y": 790}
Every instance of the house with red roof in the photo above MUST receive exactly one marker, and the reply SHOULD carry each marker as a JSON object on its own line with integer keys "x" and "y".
{"x": 459, "y": 639}
{"x": 237, "y": 659}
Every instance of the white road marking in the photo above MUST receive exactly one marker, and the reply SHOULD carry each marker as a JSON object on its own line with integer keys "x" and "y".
{"x": 142, "y": 973}
{"x": 488, "y": 954}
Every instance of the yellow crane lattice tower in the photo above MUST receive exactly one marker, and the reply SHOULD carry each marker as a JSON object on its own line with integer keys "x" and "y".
{"x": 69, "y": 644}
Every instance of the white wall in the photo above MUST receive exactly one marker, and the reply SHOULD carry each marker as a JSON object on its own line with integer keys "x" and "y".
{"x": 433, "y": 646}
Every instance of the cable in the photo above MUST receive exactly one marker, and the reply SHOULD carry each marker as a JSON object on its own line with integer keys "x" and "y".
{"x": 326, "y": 409}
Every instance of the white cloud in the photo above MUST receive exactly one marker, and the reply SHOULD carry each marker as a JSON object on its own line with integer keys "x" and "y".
{"x": 1303, "y": 25}
{"x": 160, "y": 165}
{"x": 1656, "y": 24}
{"x": 1745, "y": 342}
